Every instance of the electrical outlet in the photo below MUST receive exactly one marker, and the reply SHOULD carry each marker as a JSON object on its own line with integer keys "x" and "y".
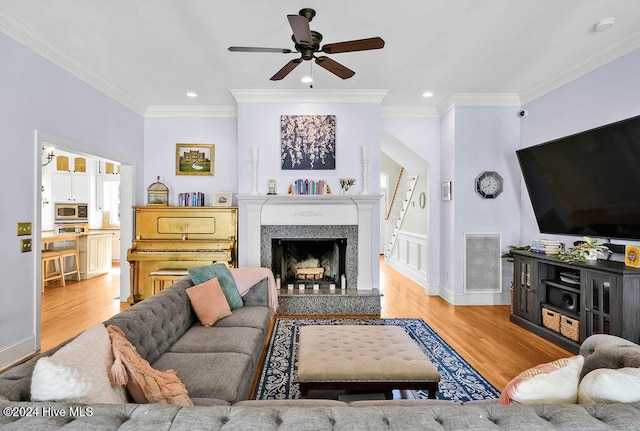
{"x": 24, "y": 228}
{"x": 25, "y": 245}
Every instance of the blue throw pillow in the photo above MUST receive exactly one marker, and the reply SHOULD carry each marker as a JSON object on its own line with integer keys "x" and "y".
{"x": 205, "y": 273}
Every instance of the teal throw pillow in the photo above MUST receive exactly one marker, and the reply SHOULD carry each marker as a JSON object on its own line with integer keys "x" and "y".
{"x": 205, "y": 273}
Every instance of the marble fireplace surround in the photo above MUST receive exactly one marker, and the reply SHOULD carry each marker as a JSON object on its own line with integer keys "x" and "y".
{"x": 313, "y": 210}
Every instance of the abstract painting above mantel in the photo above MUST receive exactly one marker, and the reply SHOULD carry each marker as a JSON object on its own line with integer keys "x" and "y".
{"x": 308, "y": 142}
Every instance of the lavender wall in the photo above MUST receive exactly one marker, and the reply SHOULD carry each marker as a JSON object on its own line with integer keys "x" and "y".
{"x": 38, "y": 95}
{"x": 160, "y": 138}
{"x": 603, "y": 96}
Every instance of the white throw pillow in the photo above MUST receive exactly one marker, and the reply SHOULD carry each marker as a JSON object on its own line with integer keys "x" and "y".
{"x": 78, "y": 372}
{"x": 605, "y": 385}
{"x": 554, "y": 382}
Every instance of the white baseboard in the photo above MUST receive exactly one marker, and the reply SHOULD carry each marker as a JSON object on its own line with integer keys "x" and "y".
{"x": 453, "y": 298}
{"x": 17, "y": 352}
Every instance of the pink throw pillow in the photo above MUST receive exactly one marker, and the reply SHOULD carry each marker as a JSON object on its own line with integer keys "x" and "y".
{"x": 209, "y": 302}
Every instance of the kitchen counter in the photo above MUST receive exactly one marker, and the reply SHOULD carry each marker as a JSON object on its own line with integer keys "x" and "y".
{"x": 94, "y": 250}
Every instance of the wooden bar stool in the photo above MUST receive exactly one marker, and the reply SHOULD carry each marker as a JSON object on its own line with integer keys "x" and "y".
{"x": 49, "y": 270}
{"x": 70, "y": 252}
{"x": 160, "y": 277}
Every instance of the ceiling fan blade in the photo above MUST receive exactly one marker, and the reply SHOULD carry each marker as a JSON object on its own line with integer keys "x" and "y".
{"x": 354, "y": 45}
{"x": 301, "y": 29}
{"x": 286, "y": 69}
{"x": 256, "y": 49}
{"x": 334, "y": 67}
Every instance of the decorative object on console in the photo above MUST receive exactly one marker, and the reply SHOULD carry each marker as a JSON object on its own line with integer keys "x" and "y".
{"x": 195, "y": 159}
{"x": 346, "y": 183}
{"x": 308, "y": 142}
{"x": 632, "y": 256}
{"x": 157, "y": 193}
{"x": 589, "y": 249}
{"x": 489, "y": 184}
{"x": 222, "y": 199}
{"x": 193, "y": 199}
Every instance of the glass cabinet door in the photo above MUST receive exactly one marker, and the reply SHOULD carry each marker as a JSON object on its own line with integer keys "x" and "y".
{"x": 524, "y": 289}
{"x": 599, "y": 305}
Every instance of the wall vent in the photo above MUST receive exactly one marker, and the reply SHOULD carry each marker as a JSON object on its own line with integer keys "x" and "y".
{"x": 482, "y": 263}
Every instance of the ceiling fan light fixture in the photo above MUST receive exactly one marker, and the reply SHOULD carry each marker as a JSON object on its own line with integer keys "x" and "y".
{"x": 306, "y": 79}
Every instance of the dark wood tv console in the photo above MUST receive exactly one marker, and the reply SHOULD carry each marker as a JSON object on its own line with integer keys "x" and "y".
{"x": 567, "y": 302}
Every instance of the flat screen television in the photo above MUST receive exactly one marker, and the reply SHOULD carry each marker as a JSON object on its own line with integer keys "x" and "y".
{"x": 587, "y": 184}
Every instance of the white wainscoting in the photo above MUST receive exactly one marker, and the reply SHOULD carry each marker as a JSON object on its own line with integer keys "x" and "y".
{"x": 409, "y": 256}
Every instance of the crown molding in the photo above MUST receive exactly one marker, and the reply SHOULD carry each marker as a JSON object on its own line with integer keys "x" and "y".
{"x": 410, "y": 112}
{"x": 586, "y": 66}
{"x": 32, "y": 39}
{"x": 478, "y": 99}
{"x": 308, "y": 96}
{"x": 191, "y": 112}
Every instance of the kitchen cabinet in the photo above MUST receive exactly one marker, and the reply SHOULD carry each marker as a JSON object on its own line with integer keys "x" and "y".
{"x": 70, "y": 187}
{"x": 95, "y": 254}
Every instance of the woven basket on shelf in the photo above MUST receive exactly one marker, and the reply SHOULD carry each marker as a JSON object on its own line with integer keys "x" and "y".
{"x": 551, "y": 319}
{"x": 570, "y": 328}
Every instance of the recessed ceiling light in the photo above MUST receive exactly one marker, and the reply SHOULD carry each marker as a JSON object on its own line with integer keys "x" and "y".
{"x": 604, "y": 24}
{"x": 192, "y": 94}
{"x": 427, "y": 94}
{"x": 307, "y": 79}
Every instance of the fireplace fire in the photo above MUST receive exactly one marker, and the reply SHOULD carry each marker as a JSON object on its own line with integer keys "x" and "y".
{"x": 300, "y": 260}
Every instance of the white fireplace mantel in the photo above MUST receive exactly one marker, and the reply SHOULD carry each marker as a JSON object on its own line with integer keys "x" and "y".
{"x": 314, "y": 210}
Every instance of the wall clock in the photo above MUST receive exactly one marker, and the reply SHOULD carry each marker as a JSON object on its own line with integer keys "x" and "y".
{"x": 489, "y": 184}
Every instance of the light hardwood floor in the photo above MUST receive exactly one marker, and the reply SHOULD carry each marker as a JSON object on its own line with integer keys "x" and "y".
{"x": 483, "y": 335}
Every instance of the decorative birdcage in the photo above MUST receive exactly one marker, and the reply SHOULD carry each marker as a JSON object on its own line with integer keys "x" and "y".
{"x": 157, "y": 194}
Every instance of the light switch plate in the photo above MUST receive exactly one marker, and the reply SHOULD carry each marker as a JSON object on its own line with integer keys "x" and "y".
{"x": 24, "y": 228}
{"x": 25, "y": 245}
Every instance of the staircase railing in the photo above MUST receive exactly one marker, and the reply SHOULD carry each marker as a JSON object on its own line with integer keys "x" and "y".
{"x": 402, "y": 196}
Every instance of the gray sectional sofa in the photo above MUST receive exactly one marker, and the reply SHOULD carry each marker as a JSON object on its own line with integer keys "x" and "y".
{"x": 218, "y": 364}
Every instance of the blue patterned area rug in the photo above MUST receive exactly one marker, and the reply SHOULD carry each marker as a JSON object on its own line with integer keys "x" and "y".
{"x": 279, "y": 374}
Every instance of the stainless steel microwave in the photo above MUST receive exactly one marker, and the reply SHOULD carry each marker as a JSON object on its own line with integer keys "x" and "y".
{"x": 71, "y": 212}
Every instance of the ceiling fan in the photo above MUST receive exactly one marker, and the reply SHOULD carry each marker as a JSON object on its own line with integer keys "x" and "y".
{"x": 307, "y": 43}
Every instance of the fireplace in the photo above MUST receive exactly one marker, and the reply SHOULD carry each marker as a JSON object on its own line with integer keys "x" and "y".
{"x": 317, "y": 261}
{"x": 334, "y": 246}
{"x": 339, "y": 232}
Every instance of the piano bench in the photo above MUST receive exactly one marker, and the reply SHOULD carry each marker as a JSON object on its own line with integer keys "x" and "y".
{"x": 161, "y": 276}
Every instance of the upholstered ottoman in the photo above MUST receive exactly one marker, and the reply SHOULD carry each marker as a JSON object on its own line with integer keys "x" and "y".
{"x": 362, "y": 358}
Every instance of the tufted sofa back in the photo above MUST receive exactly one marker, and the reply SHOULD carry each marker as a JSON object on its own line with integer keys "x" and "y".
{"x": 157, "y": 322}
{"x": 608, "y": 351}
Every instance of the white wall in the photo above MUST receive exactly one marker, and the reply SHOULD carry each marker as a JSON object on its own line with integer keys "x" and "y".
{"x": 37, "y": 95}
{"x": 604, "y": 96}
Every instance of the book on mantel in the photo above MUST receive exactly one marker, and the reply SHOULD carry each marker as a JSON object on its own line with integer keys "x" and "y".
{"x": 546, "y": 246}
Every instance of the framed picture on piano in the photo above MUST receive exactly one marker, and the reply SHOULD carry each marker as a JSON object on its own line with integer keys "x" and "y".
{"x": 195, "y": 159}
{"x": 222, "y": 199}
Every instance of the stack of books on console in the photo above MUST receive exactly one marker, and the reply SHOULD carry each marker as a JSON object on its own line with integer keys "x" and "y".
{"x": 546, "y": 246}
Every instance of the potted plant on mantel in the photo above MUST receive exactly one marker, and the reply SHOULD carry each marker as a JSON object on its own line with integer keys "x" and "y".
{"x": 589, "y": 249}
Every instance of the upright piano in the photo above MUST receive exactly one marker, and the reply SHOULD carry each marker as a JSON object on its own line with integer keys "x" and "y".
{"x": 179, "y": 238}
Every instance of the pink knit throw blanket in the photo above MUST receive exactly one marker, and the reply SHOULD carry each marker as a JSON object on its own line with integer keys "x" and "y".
{"x": 246, "y": 277}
